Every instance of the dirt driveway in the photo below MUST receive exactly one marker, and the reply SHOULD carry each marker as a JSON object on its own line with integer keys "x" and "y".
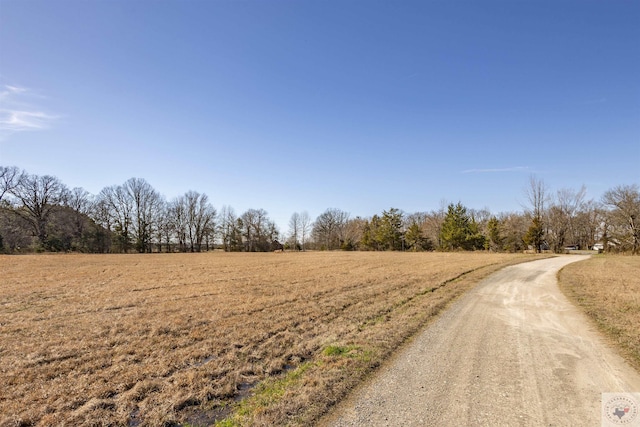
{"x": 513, "y": 352}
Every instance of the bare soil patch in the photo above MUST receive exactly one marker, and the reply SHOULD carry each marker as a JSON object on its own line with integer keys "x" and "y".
{"x": 261, "y": 339}
{"x": 608, "y": 288}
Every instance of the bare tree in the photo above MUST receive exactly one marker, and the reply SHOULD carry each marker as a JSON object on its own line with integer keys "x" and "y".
{"x": 536, "y": 194}
{"x": 229, "y": 230}
{"x": 562, "y": 217}
{"x": 146, "y": 206}
{"x": 305, "y": 228}
{"x": 294, "y": 230}
{"x": 11, "y": 236}
{"x": 81, "y": 204}
{"x": 432, "y": 224}
{"x": 12, "y": 231}
{"x": 164, "y": 229}
{"x": 588, "y": 224}
{"x": 353, "y": 233}
{"x": 251, "y": 227}
{"x": 116, "y": 212}
{"x": 258, "y": 231}
{"x": 178, "y": 223}
{"x": 624, "y": 215}
{"x": 80, "y": 200}
{"x": 200, "y": 219}
{"x": 329, "y": 228}
{"x": 39, "y": 197}
{"x": 537, "y": 197}
{"x": 513, "y": 228}
{"x": 101, "y": 215}
{"x": 10, "y": 176}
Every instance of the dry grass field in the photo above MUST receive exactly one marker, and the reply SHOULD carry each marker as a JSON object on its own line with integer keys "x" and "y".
{"x": 200, "y": 339}
{"x": 608, "y": 288}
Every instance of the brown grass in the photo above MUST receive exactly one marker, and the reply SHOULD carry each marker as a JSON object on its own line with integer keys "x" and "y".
{"x": 608, "y": 288}
{"x": 193, "y": 338}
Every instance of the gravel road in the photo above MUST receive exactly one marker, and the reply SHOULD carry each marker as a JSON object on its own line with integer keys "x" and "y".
{"x": 512, "y": 352}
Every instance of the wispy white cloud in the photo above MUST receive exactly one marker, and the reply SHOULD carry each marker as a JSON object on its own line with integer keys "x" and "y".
{"x": 16, "y": 121}
{"x": 18, "y": 113}
{"x": 11, "y": 90}
{"x": 498, "y": 170}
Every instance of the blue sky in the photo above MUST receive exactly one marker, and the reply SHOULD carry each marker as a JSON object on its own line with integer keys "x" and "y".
{"x": 305, "y": 105}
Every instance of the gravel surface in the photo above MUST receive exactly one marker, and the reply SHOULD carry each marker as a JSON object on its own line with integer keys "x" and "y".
{"x": 512, "y": 352}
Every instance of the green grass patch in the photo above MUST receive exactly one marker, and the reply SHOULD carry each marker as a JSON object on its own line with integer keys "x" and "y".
{"x": 266, "y": 393}
{"x": 341, "y": 350}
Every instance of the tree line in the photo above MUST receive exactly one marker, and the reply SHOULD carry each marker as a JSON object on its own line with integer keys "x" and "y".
{"x": 40, "y": 213}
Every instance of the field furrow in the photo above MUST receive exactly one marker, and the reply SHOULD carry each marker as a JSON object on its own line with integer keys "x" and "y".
{"x": 153, "y": 339}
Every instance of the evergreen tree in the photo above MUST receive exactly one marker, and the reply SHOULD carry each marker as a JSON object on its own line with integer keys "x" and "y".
{"x": 535, "y": 234}
{"x": 459, "y": 231}
{"x": 494, "y": 239}
{"x": 384, "y": 232}
{"x": 415, "y": 240}
{"x": 475, "y": 240}
{"x": 390, "y": 230}
{"x": 370, "y": 234}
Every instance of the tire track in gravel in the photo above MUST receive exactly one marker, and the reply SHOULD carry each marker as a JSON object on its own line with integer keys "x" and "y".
{"x": 511, "y": 352}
